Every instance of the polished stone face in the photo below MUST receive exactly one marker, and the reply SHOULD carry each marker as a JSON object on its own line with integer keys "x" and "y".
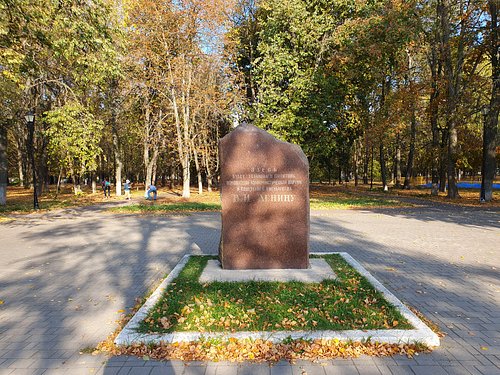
{"x": 265, "y": 201}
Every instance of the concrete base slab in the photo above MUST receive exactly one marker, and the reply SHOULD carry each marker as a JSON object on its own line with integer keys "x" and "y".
{"x": 319, "y": 270}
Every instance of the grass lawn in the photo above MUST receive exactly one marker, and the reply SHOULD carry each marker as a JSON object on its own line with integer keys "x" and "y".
{"x": 332, "y": 203}
{"x": 468, "y": 197}
{"x": 149, "y": 207}
{"x": 346, "y": 196}
{"x": 20, "y": 200}
{"x": 344, "y": 304}
{"x": 321, "y": 198}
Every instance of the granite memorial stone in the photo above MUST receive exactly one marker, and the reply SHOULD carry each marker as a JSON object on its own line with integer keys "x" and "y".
{"x": 265, "y": 201}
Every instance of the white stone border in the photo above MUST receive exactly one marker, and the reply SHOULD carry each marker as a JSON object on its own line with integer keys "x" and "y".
{"x": 421, "y": 334}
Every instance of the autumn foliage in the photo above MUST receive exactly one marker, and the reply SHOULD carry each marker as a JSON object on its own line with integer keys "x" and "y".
{"x": 260, "y": 350}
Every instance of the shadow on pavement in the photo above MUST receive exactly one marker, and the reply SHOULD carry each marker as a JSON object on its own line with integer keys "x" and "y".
{"x": 67, "y": 280}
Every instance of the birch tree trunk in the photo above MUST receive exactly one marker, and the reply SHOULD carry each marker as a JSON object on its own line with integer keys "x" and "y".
{"x": 117, "y": 149}
{"x": 150, "y": 166}
{"x": 383, "y": 171}
{"x": 149, "y": 160}
{"x": 58, "y": 186}
{"x": 186, "y": 108}
{"x": 119, "y": 164}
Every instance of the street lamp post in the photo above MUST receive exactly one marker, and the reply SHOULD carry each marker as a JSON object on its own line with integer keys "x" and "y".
{"x": 30, "y": 121}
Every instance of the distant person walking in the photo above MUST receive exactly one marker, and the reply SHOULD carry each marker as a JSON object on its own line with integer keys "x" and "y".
{"x": 151, "y": 191}
{"x": 126, "y": 188}
{"x": 106, "y": 187}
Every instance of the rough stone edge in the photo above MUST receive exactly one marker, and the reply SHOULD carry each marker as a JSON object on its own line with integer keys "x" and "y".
{"x": 422, "y": 334}
{"x": 251, "y": 128}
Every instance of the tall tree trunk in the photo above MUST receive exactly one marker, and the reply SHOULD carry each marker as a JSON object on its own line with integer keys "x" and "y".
{"x": 117, "y": 149}
{"x": 371, "y": 170}
{"x": 59, "y": 178}
{"x": 411, "y": 153}
{"x": 21, "y": 156}
{"x": 42, "y": 165}
{"x": 452, "y": 161}
{"x": 347, "y": 165}
{"x": 150, "y": 166}
{"x": 413, "y": 122}
{"x": 3, "y": 165}
{"x": 73, "y": 178}
{"x": 197, "y": 167}
{"x": 182, "y": 135}
{"x": 149, "y": 160}
{"x": 186, "y": 109}
{"x": 154, "y": 176}
{"x": 118, "y": 165}
{"x": 20, "y": 168}
{"x": 93, "y": 183}
{"x": 145, "y": 148}
{"x": 443, "y": 152}
{"x": 208, "y": 170}
{"x": 366, "y": 162}
{"x": 397, "y": 161}
{"x": 383, "y": 171}
{"x": 385, "y": 86}
{"x": 355, "y": 159}
{"x": 452, "y": 78}
{"x": 491, "y": 118}
{"x": 186, "y": 178}
{"x": 435, "y": 67}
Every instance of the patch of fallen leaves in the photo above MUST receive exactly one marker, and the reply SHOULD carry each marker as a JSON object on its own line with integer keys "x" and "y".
{"x": 433, "y": 326}
{"x": 235, "y": 350}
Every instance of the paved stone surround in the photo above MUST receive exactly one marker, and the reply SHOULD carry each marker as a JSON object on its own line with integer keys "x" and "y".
{"x": 66, "y": 277}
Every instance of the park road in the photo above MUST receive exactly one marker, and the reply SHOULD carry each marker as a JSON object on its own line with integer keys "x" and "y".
{"x": 67, "y": 276}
